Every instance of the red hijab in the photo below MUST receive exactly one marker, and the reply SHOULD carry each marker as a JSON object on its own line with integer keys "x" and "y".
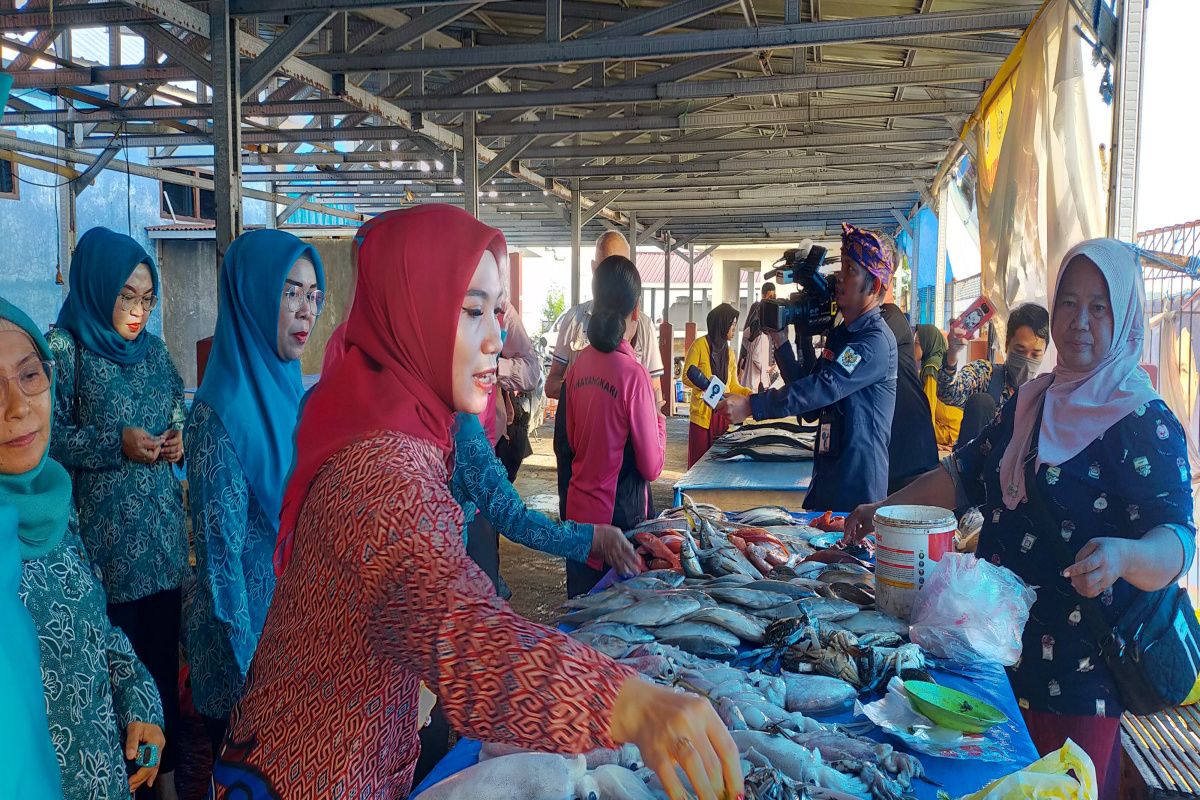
{"x": 414, "y": 267}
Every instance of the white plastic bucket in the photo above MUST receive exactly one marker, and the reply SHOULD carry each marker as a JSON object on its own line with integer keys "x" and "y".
{"x": 909, "y": 540}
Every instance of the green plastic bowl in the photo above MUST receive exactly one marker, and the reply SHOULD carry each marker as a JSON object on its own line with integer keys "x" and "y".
{"x": 952, "y": 709}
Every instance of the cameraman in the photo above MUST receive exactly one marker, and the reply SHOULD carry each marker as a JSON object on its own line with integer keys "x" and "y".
{"x": 851, "y": 389}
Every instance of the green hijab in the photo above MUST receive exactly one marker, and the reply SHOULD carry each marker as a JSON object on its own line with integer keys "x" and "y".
{"x": 42, "y": 496}
{"x": 933, "y": 349}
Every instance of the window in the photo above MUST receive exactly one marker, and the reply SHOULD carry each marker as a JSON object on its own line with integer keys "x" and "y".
{"x": 9, "y": 186}
{"x": 186, "y": 202}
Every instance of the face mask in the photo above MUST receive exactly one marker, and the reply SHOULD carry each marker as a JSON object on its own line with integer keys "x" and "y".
{"x": 1021, "y": 369}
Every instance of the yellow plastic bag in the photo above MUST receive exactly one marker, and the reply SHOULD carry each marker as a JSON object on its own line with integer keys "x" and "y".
{"x": 1047, "y": 779}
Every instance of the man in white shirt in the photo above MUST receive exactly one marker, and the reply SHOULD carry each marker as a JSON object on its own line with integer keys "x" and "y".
{"x": 572, "y": 338}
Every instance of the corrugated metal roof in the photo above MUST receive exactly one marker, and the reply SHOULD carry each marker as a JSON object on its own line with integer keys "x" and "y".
{"x": 650, "y": 267}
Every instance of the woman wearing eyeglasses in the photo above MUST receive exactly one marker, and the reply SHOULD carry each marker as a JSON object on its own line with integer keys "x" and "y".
{"x": 239, "y": 442}
{"x": 100, "y": 704}
{"x": 118, "y": 414}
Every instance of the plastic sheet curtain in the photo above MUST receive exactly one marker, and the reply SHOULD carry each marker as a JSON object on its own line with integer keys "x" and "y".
{"x": 1039, "y": 187}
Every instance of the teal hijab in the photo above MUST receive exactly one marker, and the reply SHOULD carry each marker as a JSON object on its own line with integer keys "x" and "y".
{"x": 42, "y": 496}
{"x": 28, "y": 766}
{"x": 102, "y": 262}
{"x": 254, "y": 392}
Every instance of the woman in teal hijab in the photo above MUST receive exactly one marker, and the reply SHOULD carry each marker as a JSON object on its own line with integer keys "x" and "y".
{"x": 100, "y": 702}
{"x": 28, "y": 767}
{"x": 118, "y": 419}
{"x": 240, "y": 448}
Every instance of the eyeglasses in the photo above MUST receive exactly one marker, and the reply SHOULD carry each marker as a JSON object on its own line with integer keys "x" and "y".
{"x": 127, "y": 301}
{"x": 33, "y": 379}
{"x": 315, "y": 300}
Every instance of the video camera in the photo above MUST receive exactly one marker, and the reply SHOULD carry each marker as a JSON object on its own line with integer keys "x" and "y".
{"x": 812, "y": 309}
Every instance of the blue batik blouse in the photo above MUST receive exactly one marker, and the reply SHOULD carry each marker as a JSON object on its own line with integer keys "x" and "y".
{"x": 235, "y": 578}
{"x": 130, "y": 514}
{"x": 94, "y": 684}
{"x": 480, "y": 484}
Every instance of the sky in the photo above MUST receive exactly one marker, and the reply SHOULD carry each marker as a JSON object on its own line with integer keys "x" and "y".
{"x": 1169, "y": 170}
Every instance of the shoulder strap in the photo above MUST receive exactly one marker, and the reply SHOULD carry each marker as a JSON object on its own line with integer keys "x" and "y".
{"x": 996, "y": 385}
{"x": 1050, "y": 527}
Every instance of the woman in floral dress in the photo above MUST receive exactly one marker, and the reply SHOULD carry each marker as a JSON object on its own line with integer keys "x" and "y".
{"x": 100, "y": 700}
{"x": 118, "y": 419}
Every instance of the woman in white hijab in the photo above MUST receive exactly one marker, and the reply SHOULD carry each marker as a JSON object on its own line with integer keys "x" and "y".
{"x": 1112, "y": 481}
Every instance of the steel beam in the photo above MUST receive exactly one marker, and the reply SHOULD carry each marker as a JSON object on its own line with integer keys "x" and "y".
{"x": 576, "y": 242}
{"x": 698, "y": 166}
{"x": 97, "y": 76}
{"x": 259, "y": 71}
{"x": 599, "y": 205}
{"x": 651, "y": 229}
{"x": 176, "y": 49}
{"x": 514, "y": 149}
{"x": 250, "y": 8}
{"x": 731, "y": 119}
{"x": 758, "y": 179}
{"x": 744, "y": 144}
{"x": 554, "y": 20}
{"x": 227, "y": 124}
{"x": 471, "y": 182}
{"x": 65, "y": 17}
{"x": 749, "y": 40}
{"x": 291, "y": 208}
{"x": 86, "y": 178}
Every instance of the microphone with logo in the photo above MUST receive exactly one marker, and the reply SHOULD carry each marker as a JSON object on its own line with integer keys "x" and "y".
{"x": 713, "y": 388}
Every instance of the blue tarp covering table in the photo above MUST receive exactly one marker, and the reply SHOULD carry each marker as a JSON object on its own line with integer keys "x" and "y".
{"x": 758, "y": 482}
{"x": 957, "y": 777}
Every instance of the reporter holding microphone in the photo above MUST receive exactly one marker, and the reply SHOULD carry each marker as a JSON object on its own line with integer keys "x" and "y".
{"x": 710, "y": 354}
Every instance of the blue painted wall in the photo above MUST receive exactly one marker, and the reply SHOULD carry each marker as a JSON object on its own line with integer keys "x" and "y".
{"x": 29, "y": 228}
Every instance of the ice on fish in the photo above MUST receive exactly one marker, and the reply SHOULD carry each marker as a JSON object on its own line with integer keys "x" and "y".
{"x": 618, "y": 783}
{"x": 533, "y": 776}
{"x": 814, "y": 694}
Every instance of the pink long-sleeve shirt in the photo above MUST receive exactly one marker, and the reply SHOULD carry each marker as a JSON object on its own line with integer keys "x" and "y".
{"x": 611, "y": 403}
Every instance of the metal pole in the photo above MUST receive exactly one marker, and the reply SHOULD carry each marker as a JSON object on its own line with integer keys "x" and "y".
{"x": 1122, "y": 209}
{"x": 576, "y": 240}
{"x": 470, "y": 165}
{"x": 914, "y": 301}
{"x": 691, "y": 282}
{"x": 939, "y": 288}
{"x": 227, "y": 124}
{"x": 633, "y": 235}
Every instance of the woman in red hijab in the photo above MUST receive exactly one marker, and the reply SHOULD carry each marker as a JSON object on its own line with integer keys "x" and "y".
{"x": 379, "y": 593}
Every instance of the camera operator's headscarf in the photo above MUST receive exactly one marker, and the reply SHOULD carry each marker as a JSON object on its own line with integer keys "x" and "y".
{"x": 719, "y": 321}
{"x": 870, "y": 250}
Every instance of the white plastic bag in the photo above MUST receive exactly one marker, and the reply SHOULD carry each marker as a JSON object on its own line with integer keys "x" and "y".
{"x": 971, "y": 609}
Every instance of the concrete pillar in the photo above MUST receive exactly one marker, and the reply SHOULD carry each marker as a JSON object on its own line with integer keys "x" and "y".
{"x": 689, "y": 332}
{"x": 939, "y": 286}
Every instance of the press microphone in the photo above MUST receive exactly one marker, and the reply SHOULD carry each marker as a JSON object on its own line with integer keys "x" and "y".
{"x": 713, "y": 388}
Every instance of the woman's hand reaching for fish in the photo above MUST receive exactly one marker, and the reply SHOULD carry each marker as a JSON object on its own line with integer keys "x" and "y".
{"x": 671, "y": 730}
{"x": 611, "y": 545}
{"x": 860, "y": 523}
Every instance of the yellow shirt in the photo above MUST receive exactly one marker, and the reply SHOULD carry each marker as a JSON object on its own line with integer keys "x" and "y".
{"x": 946, "y": 419}
{"x": 698, "y": 355}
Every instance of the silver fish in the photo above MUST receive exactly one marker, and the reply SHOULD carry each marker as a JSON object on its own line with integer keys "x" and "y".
{"x": 618, "y": 783}
{"x": 749, "y": 598}
{"x": 701, "y": 646}
{"x": 662, "y": 609}
{"x": 798, "y": 763}
{"x": 796, "y": 591}
{"x": 700, "y": 629}
{"x": 762, "y": 516}
{"x": 668, "y": 576}
{"x": 815, "y": 694}
{"x": 611, "y": 646}
{"x": 746, "y": 628}
{"x": 652, "y": 666}
{"x": 628, "y": 633}
{"x": 865, "y": 622}
{"x": 829, "y": 609}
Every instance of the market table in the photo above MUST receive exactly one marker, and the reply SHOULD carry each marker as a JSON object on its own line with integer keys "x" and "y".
{"x": 738, "y": 485}
{"x": 956, "y": 776}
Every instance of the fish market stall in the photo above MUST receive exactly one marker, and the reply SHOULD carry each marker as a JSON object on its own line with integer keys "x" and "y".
{"x": 768, "y": 463}
{"x": 824, "y": 695}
